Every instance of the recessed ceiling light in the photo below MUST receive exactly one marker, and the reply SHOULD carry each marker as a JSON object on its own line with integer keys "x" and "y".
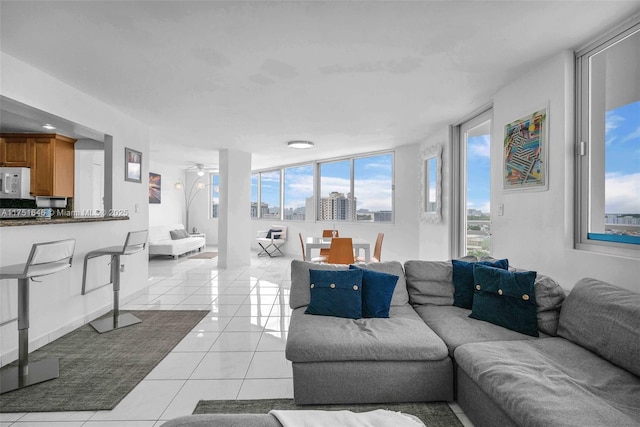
{"x": 300, "y": 144}
{"x": 48, "y": 126}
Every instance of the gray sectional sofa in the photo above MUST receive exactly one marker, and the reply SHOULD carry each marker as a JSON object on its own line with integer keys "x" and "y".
{"x": 583, "y": 369}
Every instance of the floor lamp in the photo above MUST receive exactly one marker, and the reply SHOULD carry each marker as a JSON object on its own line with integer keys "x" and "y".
{"x": 195, "y": 188}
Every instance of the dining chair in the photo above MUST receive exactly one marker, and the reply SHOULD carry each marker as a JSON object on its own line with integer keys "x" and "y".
{"x": 341, "y": 251}
{"x": 304, "y": 253}
{"x": 327, "y": 233}
{"x": 377, "y": 250}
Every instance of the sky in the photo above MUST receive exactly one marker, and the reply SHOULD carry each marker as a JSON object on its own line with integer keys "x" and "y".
{"x": 622, "y": 159}
{"x": 478, "y": 173}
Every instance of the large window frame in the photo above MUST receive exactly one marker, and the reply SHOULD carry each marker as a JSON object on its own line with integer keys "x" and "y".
{"x": 458, "y": 176}
{"x": 590, "y": 150}
{"x": 316, "y": 186}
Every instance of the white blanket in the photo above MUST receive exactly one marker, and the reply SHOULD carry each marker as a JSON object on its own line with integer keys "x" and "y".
{"x": 377, "y": 418}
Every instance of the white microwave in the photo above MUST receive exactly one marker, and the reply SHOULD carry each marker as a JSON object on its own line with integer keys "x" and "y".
{"x": 15, "y": 183}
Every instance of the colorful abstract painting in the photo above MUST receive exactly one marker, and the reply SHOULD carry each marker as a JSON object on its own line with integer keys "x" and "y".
{"x": 155, "y": 187}
{"x": 525, "y": 151}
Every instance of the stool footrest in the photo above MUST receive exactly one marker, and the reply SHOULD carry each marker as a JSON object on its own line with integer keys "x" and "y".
{"x": 40, "y": 371}
{"x": 111, "y": 323}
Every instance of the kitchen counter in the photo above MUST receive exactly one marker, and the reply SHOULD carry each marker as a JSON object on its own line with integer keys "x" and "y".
{"x": 15, "y": 222}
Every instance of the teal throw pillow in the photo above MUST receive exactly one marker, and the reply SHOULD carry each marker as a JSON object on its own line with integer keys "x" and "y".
{"x": 336, "y": 293}
{"x": 463, "y": 279}
{"x": 377, "y": 292}
{"x": 506, "y": 298}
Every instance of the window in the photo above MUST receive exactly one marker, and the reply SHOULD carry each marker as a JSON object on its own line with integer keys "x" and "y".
{"x": 270, "y": 194}
{"x": 335, "y": 202}
{"x": 215, "y": 194}
{"x": 373, "y": 188}
{"x": 254, "y": 195}
{"x": 298, "y": 193}
{"x": 352, "y": 189}
{"x": 357, "y": 189}
{"x": 471, "y": 186}
{"x": 608, "y": 130}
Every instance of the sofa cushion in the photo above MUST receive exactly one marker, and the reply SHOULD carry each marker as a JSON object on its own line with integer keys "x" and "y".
{"x": 463, "y": 279}
{"x": 300, "y": 292}
{"x": 403, "y": 336}
{"x": 605, "y": 319}
{"x": 549, "y": 298}
{"x": 552, "y": 382}
{"x": 178, "y": 234}
{"x": 400, "y": 294}
{"x": 505, "y": 298}
{"x": 335, "y": 293}
{"x": 455, "y": 327}
{"x": 377, "y": 291}
{"x": 429, "y": 282}
{"x": 300, "y": 295}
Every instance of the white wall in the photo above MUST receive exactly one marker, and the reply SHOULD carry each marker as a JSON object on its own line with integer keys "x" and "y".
{"x": 171, "y": 207}
{"x": 400, "y": 238}
{"x": 536, "y": 231}
{"x": 56, "y": 303}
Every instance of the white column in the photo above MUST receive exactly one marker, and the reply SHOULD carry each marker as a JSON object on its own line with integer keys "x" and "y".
{"x": 234, "y": 222}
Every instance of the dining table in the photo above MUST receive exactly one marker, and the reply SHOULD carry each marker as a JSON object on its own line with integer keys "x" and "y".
{"x": 325, "y": 243}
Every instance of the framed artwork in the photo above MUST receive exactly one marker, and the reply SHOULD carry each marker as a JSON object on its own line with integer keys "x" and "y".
{"x": 525, "y": 153}
{"x": 132, "y": 165}
{"x": 155, "y": 187}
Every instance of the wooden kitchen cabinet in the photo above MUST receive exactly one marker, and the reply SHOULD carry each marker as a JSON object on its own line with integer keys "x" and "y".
{"x": 51, "y": 158}
{"x": 15, "y": 152}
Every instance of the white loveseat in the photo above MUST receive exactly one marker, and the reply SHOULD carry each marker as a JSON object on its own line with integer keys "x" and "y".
{"x": 161, "y": 243}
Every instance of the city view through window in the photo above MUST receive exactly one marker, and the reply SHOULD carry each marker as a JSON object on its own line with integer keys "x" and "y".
{"x": 622, "y": 171}
{"x": 479, "y": 194}
{"x": 372, "y": 188}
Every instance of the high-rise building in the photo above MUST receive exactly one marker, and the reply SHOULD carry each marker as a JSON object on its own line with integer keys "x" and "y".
{"x": 338, "y": 207}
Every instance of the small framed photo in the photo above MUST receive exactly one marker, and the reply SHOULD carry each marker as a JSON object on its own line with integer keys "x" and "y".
{"x": 132, "y": 165}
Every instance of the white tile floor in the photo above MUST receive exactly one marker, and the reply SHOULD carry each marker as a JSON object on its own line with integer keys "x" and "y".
{"x": 235, "y": 352}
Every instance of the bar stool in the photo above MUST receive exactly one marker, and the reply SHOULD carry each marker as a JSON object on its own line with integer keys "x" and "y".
{"x": 135, "y": 242}
{"x": 44, "y": 259}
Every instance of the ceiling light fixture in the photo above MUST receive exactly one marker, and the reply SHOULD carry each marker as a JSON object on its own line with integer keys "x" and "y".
{"x": 47, "y": 126}
{"x": 200, "y": 171}
{"x": 300, "y": 144}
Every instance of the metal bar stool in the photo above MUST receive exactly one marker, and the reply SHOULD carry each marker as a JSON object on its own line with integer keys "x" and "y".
{"x": 135, "y": 242}
{"x": 44, "y": 259}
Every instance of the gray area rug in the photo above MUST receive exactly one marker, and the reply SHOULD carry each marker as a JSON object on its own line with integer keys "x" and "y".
{"x": 433, "y": 414}
{"x": 204, "y": 255}
{"x": 99, "y": 370}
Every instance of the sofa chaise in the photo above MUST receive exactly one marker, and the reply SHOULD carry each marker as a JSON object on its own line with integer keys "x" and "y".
{"x": 161, "y": 241}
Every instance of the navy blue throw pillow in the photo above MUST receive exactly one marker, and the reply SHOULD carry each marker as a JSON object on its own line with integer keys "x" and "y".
{"x": 506, "y": 299}
{"x": 275, "y": 236}
{"x": 336, "y": 293}
{"x": 463, "y": 279}
{"x": 377, "y": 291}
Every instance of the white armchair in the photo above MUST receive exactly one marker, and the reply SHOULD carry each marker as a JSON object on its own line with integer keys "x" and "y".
{"x": 271, "y": 240}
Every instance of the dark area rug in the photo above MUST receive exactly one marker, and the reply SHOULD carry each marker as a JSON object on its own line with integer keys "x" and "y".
{"x": 204, "y": 255}
{"x": 98, "y": 370}
{"x": 433, "y": 414}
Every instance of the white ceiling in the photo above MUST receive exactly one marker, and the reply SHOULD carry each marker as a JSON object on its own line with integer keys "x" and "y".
{"x": 349, "y": 76}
